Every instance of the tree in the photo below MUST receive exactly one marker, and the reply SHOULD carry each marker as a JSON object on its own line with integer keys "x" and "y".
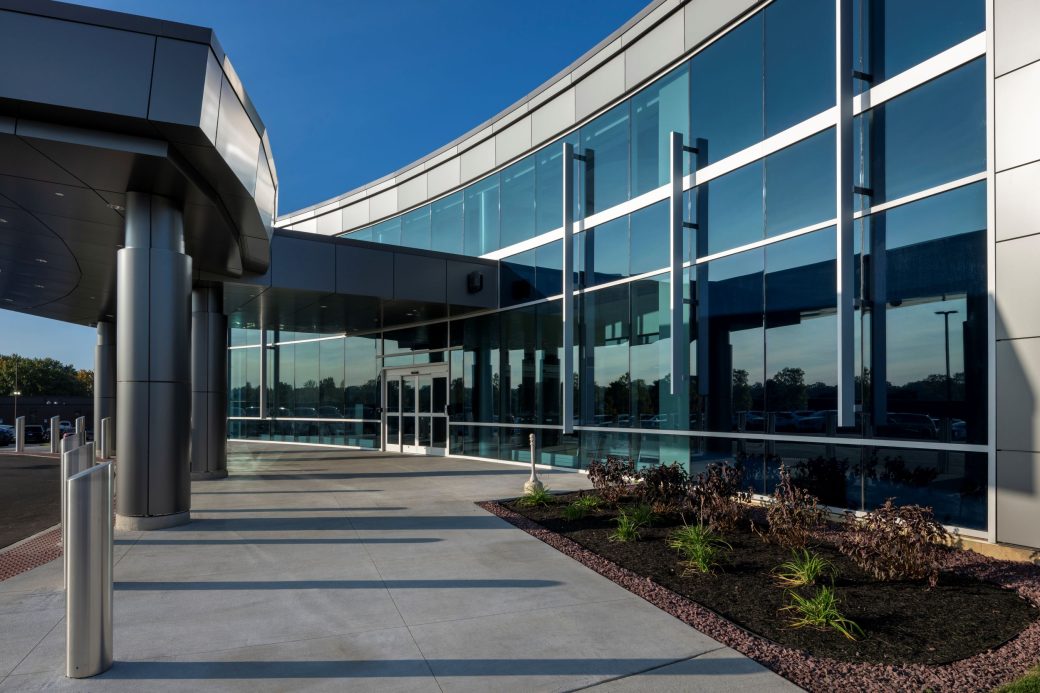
{"x": 741, "y": 390}
{"x": 786, "y": 390}
{"x": 43, "y": 377}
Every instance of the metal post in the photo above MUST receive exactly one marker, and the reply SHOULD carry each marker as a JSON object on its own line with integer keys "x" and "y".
{"x": 105, "y": 378}
{"x": 567, "y": 375}
{"x": 74, "y": 459}
{"x": 208, "y": 384}
{"x": 19, "y": 434}
{"x": 81, "y": 429}
{"x": 105, "y": 441}
{"x": 55, "y": 434}
{"x": 843, "y": 203}
{"x": 680, "y": 359}
{"x": 88, "y": 599}
{"x": 533, "y": 484}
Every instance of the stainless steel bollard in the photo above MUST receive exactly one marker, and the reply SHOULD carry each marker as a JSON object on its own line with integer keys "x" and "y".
{"x": 106, "y": 438}
{"x": 19, "y": 434}
{"x": 55, "y": 433}
{"x": 75, "y": 458}
{"x": 88, "y": 599}
{"x": 81, "y": 429}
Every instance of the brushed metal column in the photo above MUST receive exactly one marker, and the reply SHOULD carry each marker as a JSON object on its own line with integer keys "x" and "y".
{"x": 153, "y": 367}
{"x": 105, "y": 377}
{"x": 208, "y": 384}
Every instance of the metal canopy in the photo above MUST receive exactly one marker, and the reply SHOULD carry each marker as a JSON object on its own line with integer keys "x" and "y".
{"x": 321, "y": 284}
{"x": 94, "y": 104}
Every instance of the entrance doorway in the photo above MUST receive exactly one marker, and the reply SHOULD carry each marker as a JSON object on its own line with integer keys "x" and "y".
{"x": 415, "y": 418}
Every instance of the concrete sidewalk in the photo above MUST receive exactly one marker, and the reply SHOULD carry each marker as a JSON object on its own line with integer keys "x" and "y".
{"x": 314, "y": 569}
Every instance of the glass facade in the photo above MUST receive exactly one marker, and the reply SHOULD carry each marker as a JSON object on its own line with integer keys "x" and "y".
{"x": 759, "y": 328}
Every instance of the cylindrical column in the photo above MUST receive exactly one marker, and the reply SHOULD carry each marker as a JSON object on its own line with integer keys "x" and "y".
{"x": 88, "y": 598}
{"x": 105, "y": 378}
{"x": 55, "y": 433}
{"x": 208, "y": 385}
{"x": 153, "y": 364}
{"x": 19, "y": 434}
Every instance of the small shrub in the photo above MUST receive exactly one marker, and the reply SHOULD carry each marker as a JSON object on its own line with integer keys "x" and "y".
{"x": 627, "y": 528}
{"x": 580, "y": 507}
{"x": 536, "y": 497}
{"x": 643, "y": 514}
{"x": 804, "y": 569}
{"x": 717, "y": 499}
{"x": 895, "y": 542}
{"x": 820, "y": 611}
{"x": 701, "y": 549}
{"x": 793, "y": 514}
{"x": 665, "y": 487}
{"x": 611, "y": 478}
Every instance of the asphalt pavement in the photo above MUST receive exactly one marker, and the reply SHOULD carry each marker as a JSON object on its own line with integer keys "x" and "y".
{"x": 29, "y": 492}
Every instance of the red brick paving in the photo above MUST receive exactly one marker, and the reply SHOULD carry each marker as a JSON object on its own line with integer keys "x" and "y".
{"x": 32, "y": 553}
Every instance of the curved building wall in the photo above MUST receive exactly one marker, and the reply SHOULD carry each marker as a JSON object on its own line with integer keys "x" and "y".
{"x": 790, "y": 304}
{"x": 645, "y": 45}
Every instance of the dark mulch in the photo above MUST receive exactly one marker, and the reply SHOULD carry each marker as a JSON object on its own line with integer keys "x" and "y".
{"x": 978, "y": 628}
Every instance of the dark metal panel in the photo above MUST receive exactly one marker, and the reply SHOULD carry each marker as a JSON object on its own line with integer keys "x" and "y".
{"x": 458, "y": 284}
{"x": 419, "y": 277}
{"x": 179, "y": 86}
{"x": 302, "y": 264}
{"x": 121, "y": 20}
{"x": 74, "y": 65}
{"x": 168, "y": 315}
{"x": 265, "y": 194}
{"x": 237, "y": 141}
{"x": 364, "y": 271}
{"x": 59, "y": 200}
{"x": 132, "y": 444}
{"x": 132, "y": 335}
{"x": 169, "y": 423}
{"x": 19, "y": 159}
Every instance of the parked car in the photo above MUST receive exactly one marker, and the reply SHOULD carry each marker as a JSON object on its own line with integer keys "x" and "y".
{"x": 905, "y": 425}
{"x": 6, "y": 435}
{"x": 784, "y": 421}
{"x": 817, "y": 423}
{"x": 66, "y": 427}
{"x": 34, "y": 433}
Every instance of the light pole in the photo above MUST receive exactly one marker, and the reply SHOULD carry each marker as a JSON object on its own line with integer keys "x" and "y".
{"x": 16, "y": 390}
{"x": 946, "y": 325}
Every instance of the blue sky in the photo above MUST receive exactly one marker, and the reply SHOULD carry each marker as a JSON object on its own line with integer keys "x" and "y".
{"x": 353, "y": 90}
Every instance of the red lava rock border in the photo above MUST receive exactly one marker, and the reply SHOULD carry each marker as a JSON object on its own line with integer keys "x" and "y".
{"x": 982, "y": 672}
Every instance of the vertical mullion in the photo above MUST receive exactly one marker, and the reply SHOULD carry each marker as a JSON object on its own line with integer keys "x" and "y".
{"x": 567, "y": 376}
{"x": 262, "y": 404}
{"x": 844, "y": 188}
{"x": 679, "y": 357}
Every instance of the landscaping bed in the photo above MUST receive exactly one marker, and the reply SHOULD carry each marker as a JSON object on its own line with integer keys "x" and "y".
{"x": 976, "y": 628}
